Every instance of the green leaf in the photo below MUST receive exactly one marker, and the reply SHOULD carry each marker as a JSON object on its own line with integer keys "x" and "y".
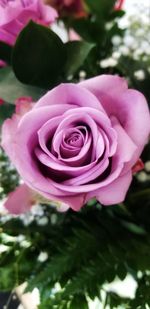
{"x": 6, "y": 110}
{"x": 5, "y": 52}
{"x": 79, "y": 302}
{"x": 39, "y": 56}
{"x": 11, "y": 88}
{"x": 8, "y": 279}
{"x": 101, "y": 8}
{"x": 77, "y": 52}
{"x": 88, "y": 29}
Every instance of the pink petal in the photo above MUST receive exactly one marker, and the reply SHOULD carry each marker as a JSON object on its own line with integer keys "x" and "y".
{"x": 138, "y": 166}
{"x": 20, "y": 200}
{"x": 115, "y": 192}
{"x": 69, "y": 94}
{"x": 129, "y": 106}
{"x": 62, "y": 203}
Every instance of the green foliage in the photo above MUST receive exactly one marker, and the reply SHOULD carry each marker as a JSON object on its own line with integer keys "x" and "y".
{"x": 54, "y": 60}
{"x": 8, "y": 176}
{"x": 77, "y": 52}
{"x": 36, "y": 56}
{"x": 6, "y": 111}
{"x": 11, "y": 89}
{"x": 86, "y": 250}
{"x": 101, "y": 9}
{"x": 5, "y": 52}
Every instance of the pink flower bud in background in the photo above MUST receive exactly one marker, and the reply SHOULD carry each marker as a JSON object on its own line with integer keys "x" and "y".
{"x": 68, "y": 7}
{"x": 2, "y": 64}
{"x": 1, "y": 101}
{"x": 119, "y": 5}
{"x": 20, "y": 200}
{"x": 15, "y": 15}
{"x": 138, "y": 166}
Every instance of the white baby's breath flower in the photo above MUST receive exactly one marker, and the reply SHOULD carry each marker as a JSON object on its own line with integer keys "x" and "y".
{"x": 142, "y": 177}
{"x": 116, "y": 40}
{"x": 25, "y": 244}
{"x": 147, "y": 166}
{"x": 116, "y": 55}
{"x": 82, "y": 75}
{"x": 42, "y": 221}
{"x": 53, "y": 219}
{"x": 139, "y": 75}
{"x": 43, "y": 256}
{"x": 3, "y": 248}
{"x": 109, "y": 62}
{"x": 124, "y": 50}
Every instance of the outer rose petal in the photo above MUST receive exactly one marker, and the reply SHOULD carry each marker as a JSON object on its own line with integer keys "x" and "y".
{"x": 16, "y": 14}
{"x": 9, "y": 130}
{"x": 139, "y": 165}
{"x": 10, "y": 126}
{"x": 62, "y": 203}
{"x": 69, "y": 94}
{"x": 115, "y": 192}
{"x": 20, "y": 200}
{"x": 129, "y": 106}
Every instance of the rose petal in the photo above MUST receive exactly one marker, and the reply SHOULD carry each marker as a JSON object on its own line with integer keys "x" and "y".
{"x": 129, "y": 106}
{"x": 20, "y": 200}
{"x": 70, "y": 94}
{"x": 115, "y": 192}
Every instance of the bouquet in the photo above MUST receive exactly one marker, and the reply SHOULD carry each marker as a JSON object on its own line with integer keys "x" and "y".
{"x": 75, "y": 127}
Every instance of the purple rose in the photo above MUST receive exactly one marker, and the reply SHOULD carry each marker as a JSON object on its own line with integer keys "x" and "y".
{"x": 15, "y": 14}
{"x": 80, "y": 141}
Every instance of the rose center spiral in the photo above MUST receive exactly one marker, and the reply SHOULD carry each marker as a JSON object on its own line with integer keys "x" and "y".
{"x": 74, "y": 139}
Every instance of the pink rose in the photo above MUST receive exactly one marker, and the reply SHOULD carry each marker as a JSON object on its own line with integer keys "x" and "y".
{"x": 80, "y": 141}
{"x": 119, "y": 5}
{"x": 15, "y": 14}
{"x": 2, "y": 64}
{"x": 20, "y": 200}
{"x": 68, "y": 7}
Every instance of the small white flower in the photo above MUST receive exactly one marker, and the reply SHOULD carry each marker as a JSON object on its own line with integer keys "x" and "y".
{"x": 25, "y": 244}
{"x": 108, "y": 25}
{"x": 37, "y": 210}
{"x": 3, "y": 248}
{"x": 129, "y": 41}
{"x": 53, "y": 219}
{"x": 43, "y": 256}
{"x": 82, "y": 74}
{"x": 42, "y": 221}
{"x": 142, "y": 177}
{"x": 124, "y": 50}
{"x": 147, "y": 166}
{"x": 116, "y": 55}
{"x": 110, "y": 62}
{"x": 116, "y": 40}
{"x": 139, "y": 75}
{"x": 20, "y": 238}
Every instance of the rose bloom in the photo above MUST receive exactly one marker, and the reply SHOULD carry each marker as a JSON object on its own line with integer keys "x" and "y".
{"x": 15, "y": 14}
{"x": 68, "y": 7}
{"x": 80, "y": 141}
{"x": 119, "y": 5}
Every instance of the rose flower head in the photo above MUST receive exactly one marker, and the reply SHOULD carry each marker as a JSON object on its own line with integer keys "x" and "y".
{"x": 80, "y": 141}
{"x": 15, "y": 15}
{"x": 69, "y": 7}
